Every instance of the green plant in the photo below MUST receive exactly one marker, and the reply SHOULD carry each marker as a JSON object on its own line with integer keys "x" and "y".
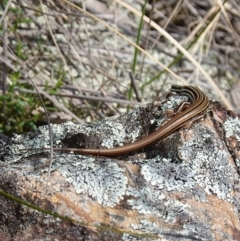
{"x": 19, "y": 116}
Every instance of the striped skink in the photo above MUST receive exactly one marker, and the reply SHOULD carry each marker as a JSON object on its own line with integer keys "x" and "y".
{"x": 199, "y": 103}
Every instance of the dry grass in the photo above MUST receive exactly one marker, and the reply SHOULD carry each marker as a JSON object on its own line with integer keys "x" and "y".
{"x": 80, "y": 54}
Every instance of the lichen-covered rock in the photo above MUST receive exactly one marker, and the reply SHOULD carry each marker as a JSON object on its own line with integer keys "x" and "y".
{"x": 185, "y": 187}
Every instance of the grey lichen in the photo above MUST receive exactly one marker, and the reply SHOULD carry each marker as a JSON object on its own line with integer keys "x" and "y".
{"x": 149, "y": 201}
{"x": 147, "y": 226}
{"x": 25, "y": 145}
{"x": 204, "y": 165}
{"x": 232, "y": 127}
{"x": 189, "y": 232}
{"x": 104, "y": 181}
{"x": 194, "y": 231}
{"x": 101, "y": 179}
{"x": 118, "y": 132}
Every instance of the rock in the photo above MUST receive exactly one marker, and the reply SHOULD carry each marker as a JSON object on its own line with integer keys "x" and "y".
{"x": 184, "y": 187}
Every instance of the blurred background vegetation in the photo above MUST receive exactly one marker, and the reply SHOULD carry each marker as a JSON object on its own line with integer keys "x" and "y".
{"x": 94, "y": 59}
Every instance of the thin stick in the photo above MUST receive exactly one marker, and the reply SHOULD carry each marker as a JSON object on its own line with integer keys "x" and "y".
{"x": 4, "y": 70}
